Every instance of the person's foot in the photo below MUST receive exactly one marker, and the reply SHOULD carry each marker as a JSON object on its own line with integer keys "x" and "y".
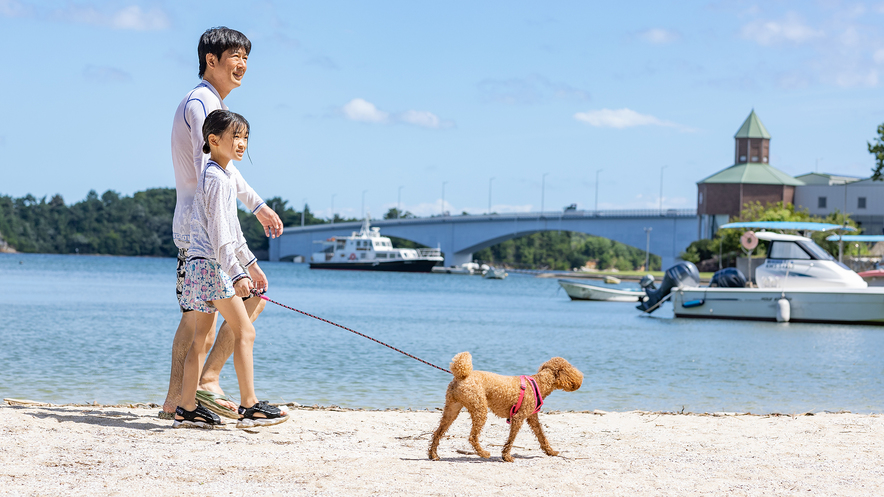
{"x": 168, "y": 411}
{"x": 219, "y": 404}
{"x": 261, "y": 414}
{"x": 218, "y": 395}
{"x": 197, "y": 418}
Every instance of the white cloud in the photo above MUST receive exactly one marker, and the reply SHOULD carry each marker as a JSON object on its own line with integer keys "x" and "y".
{"x": 420, "y": 118}
{"x": 131, "y": 18}
{"x": 134, "y": 18}
{"x": 621, "y": 118}
{"x": 659, "y": 36}
{"x": 362, "y": 110}
{"x": 879, "y": 56}
{"x": 792, "y": 29}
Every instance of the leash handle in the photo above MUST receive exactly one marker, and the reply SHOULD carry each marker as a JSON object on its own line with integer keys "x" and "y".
{"x": 255, "y": 293}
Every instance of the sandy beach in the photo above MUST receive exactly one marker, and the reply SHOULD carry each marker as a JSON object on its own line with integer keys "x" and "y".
{"x": 127, "y": 450}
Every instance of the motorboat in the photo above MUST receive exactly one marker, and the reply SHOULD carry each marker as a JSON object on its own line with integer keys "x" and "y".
{"x": 494, "y": 273}
{"x": 799, "y": 281}
{"x": 579, "y": 290}
{"x": 874, "y": 277}
{"x": 467, "y": 268}
{"x": 368, "y": 250}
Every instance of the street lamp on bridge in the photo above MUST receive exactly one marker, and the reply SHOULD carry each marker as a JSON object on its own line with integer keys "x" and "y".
{"x": 661, "y": 189}
{"x": 542, "y": 191}
{"x": 399, "y": 202}
{"x": 443, "y": 198}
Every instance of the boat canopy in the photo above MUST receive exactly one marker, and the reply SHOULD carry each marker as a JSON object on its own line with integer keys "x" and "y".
{"x": 788, "y": 225}
{"x": 856, "y": 238}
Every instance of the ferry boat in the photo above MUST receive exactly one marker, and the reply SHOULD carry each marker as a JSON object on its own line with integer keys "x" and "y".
{"x": 368, "y": 250}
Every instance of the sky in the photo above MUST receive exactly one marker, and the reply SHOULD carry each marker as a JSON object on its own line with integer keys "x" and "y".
{"x": 368, "y": 105}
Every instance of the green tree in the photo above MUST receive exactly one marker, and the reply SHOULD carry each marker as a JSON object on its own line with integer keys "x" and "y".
{"x": 878, "y": 151}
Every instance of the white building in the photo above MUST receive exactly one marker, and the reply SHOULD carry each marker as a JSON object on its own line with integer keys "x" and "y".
{"x": 863, "y": 199}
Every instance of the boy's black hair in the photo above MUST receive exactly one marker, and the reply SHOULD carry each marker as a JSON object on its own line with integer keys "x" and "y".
{"x": 218, "y": 121}
{"x": 217, "y": 40}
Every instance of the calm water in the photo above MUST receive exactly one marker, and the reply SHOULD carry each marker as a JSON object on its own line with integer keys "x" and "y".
{"x": 83, "y": 329}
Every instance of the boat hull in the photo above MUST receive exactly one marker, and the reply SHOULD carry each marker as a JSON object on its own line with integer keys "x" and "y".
{"x": 816, "y": 305}
{"x": 582, "y": 291}
{"x": 413, "y": 266}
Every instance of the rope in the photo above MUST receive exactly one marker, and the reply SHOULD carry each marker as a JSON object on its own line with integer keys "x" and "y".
{"x": 352, "y": 331}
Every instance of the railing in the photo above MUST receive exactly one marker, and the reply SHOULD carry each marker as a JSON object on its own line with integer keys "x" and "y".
{"x": 429, "y": 252}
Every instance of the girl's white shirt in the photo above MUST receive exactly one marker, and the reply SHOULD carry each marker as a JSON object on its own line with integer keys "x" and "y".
{"x": 188, "y": 159}
{"x": 214, "y": 229}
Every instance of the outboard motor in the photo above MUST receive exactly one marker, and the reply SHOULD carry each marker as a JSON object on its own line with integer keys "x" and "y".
{"x": 647, "y": 282}
{"x": 682, "y": 274}
{"x": 729, "y": 277}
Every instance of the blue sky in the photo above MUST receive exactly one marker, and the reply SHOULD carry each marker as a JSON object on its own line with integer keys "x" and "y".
{"x": 353, "y": 97}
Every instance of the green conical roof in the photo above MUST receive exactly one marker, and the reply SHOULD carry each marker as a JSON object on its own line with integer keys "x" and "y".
{"x": 753, "y": 173}
{"x": 752, "y": 128}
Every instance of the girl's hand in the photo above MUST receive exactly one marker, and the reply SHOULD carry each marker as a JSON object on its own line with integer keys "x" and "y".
{"x": 243, "y": 287}
{"x": 259, "y": 278}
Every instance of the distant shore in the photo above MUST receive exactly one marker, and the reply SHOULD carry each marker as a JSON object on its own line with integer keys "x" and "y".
{"x": 127, "y": 450}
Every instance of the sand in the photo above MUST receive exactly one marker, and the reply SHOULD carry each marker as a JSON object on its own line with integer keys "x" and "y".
{"x": 127, "y": 450}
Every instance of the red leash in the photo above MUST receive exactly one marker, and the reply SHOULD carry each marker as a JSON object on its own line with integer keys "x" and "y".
{"x": 352, "y": 331}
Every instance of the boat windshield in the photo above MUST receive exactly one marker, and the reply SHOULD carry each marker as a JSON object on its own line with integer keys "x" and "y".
{"x": 787, "y": 250}
{"x": 817, "y": 251}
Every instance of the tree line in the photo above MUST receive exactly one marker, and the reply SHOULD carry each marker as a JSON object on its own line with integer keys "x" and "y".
{"x": 141, "y": 225}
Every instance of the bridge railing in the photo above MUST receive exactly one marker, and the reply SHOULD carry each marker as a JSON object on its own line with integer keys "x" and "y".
{"x": 579, "y": 213}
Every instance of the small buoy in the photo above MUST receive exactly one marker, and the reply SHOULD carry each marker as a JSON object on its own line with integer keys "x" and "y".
{"x": 784, "y": 311}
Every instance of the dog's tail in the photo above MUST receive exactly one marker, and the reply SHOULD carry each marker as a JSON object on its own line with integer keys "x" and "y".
{"x": 462, "y": 365}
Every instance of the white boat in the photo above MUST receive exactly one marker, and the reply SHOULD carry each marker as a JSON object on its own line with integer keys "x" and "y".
{"x": 579, "y": 290}
{"x": 494, "y": 273}
{"x": 368, "y": 250}
{"x": 799, "y": 281}
{"x": 467, "y": 268}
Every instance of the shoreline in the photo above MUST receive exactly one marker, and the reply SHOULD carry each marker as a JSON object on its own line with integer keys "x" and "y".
{"x": 122, "y": 450}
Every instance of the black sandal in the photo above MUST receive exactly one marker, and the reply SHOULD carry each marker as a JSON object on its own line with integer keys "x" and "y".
{"x": 270, "y": 415}
{"x": 197, "y": 418}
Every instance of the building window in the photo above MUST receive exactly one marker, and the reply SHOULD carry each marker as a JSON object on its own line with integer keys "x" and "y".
{"x": 861, "y": 203}
{"x": 821, "y": 203}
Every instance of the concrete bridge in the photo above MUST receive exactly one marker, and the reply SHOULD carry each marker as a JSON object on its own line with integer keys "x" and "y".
{"x": 459, "y": 236}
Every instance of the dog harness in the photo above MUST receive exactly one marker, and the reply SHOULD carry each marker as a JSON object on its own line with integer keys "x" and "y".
{"x": 522, "y": 386}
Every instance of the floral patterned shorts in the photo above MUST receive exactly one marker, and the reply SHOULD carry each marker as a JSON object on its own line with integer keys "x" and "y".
{"x": 204, "y": 282}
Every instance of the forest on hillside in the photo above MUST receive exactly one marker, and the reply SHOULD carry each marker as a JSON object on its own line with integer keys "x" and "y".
{"x": 141, "y": 225}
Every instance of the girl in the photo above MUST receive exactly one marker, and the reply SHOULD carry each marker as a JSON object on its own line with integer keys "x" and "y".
{"x": 220, "y": 272}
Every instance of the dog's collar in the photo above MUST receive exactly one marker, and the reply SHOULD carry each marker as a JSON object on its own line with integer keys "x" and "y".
{"x": 522, "y": 386}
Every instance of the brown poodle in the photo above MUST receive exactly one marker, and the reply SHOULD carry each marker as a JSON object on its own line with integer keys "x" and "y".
{"x": 480, "y": 391}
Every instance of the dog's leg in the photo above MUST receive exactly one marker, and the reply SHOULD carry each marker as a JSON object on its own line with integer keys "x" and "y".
{"x": 534, "y": 423}
{"x": 479, "y": 414}
{"x": 515, "y": 426}
{"x": 449, "y": 414}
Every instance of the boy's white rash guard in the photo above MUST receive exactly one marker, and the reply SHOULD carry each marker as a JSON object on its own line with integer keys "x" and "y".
{"x": 188, "y": 159}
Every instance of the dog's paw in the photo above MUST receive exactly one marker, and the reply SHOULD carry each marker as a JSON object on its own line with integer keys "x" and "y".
{"x": 484, "y": 454}
{"x": 433, "y": 456}
{"x": 552, "y": 453}
{"x": 507, "y": 458}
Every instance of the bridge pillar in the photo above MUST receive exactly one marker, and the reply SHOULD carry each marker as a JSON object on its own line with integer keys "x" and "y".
{"x": 457, "y": 258}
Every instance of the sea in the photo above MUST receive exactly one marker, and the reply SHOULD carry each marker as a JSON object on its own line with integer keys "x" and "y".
{"x": 84, "y": 329}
